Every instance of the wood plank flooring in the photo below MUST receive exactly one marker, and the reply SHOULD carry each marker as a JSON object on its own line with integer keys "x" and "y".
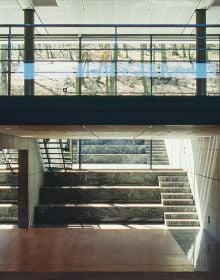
{"x": 85, "y": 250}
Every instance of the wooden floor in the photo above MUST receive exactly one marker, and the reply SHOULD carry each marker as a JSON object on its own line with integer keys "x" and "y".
{"x": 85, "y": 250}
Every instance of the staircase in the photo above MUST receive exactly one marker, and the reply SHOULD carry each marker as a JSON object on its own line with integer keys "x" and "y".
{"x": 101, "y": 196}
{"x": 123, "y": 152}
{"x": 65, "y": 155}
{"x": 9, "y": 159}
{"x": 114, "y": 197}
{"x": 178, "y": 202}
{"x": 8, "y": 198}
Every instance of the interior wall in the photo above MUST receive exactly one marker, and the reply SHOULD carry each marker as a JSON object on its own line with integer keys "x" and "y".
{"x": 35, "y": 166}
{"x": 200, "y": 157}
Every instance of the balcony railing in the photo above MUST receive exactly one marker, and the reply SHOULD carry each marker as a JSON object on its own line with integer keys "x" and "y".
{"x": 71, "y": 59}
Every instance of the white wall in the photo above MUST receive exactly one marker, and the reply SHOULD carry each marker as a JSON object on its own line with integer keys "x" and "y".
{"x": 200, "y": 157}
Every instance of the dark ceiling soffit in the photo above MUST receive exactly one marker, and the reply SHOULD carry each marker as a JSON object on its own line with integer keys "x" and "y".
{"x": 109, "y": 110}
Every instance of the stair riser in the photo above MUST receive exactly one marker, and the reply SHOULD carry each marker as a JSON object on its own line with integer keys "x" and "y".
{"x": 177, "y": 196}
{"x": 113, "y": 142}
{"x": 66, "y": 215}
{"x": 176, "y": 190}
{"x": 179, "y": 208}
{"x": 177, "y": 203}
{"x": 7, "y": 213}
{"x": 8, "y": 179}
{"x": 183, "y": 223}
{"x": 113, "y": 150}
{"x": 65, "y": 196}
{"x": 103, "y": 178}
{"x": 8, "y": 194}
{"x": 181, "y": 216}
{"x": 174, "y": 184}
{"x": 173, "y": 179}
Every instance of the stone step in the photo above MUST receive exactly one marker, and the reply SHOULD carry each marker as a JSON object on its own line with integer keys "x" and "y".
{"x": 173, "y": 178}
{"x": 112, "y": 142}
{"x": 179, "y": 208}
{"x": 170, "y": 190}
{"x": 178, "y": 202}
{"x": 8, "y": 212}
{"x": 98, "y": 213}
{"x": 107, "y": 178}
{"x": 8, "y": 178}
{"x": 120, "y": 159}
{"x": 174, "y": 184}
{"x": 180, "y": 215}
{"x": 182, "y": 223}
{"x": 112, "y": 149}
{"x": 59, "y": 195}
{"x": 177, "y": 196}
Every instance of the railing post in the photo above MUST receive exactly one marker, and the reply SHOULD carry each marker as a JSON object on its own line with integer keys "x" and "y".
{"x": 151, "y": 66}
{"x": 29, "y": 52}
{"x": 151, "y": 151}
{"x": 116, "y": 59}
{"x": 201, "y": 53}
{"x": 80, "y": 65}
{"x": 9, "y": 61}
{"x": 80, "y": 154}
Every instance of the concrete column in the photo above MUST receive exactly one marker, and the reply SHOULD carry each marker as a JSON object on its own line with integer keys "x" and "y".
{"x": 23, "y": 213}
{"x": 201, "y": 53}
{"x": 29, "y": 52}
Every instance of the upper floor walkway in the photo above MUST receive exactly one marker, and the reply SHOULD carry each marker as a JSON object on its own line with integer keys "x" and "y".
{"x": 109, "y": 59}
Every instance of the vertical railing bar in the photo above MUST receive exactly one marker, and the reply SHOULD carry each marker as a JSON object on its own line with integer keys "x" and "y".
{"x": 80, "y": 65}
{"x": 80, "y": 154}
{"x": 46, "y": 150}
{"x": 116, "y": 59}
{"x": 219, "y": 64}
{"x": 9, "y": 61}
{"x": 151, "y": 66}
{"x": 62, "y": 154}
{"x": 151, "y": 151}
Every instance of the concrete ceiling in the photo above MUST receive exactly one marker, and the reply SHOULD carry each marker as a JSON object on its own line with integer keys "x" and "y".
{"x": 111, "y": 132}
{"x": 109, "y": 11}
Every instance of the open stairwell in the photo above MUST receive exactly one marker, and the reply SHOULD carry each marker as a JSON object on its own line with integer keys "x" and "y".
{"x": 125, "y": 196}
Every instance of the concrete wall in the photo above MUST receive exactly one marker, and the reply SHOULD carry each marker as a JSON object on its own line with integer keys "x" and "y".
{"x": 200, "y": 157}
{"x": 35, "y": 166}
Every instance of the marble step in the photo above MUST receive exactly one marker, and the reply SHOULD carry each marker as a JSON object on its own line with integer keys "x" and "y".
{"x": 177, "y": 196}
{"x": 172, "y": 190}
{"x": 174, "y": 184}
{"x": 112, "y": 142}
{"x": 98, "y": 213}
{"x": 8, "y": 212}
{"x": 180, "y": 215}
{"x": 173, "y": 178}
{"x": 122, "y": 159}
{"x": 178, "y": 202}
{"x": 62, "y": 195}
{"x": 112, "y": 149}
{"x": 107, "y": 178}
{"x": 182, "y": 223}
{"x": 8, "y": 178}
{"x": 179, "y": 208}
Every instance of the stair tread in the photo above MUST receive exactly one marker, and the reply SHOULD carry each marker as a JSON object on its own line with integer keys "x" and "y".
{"x": 180, "y": 213}
{"x": 184, "y": 220}
{"x": 4, "y": 205}
{"x": 102, "y": 205}
{"x": 104, "y": 187}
